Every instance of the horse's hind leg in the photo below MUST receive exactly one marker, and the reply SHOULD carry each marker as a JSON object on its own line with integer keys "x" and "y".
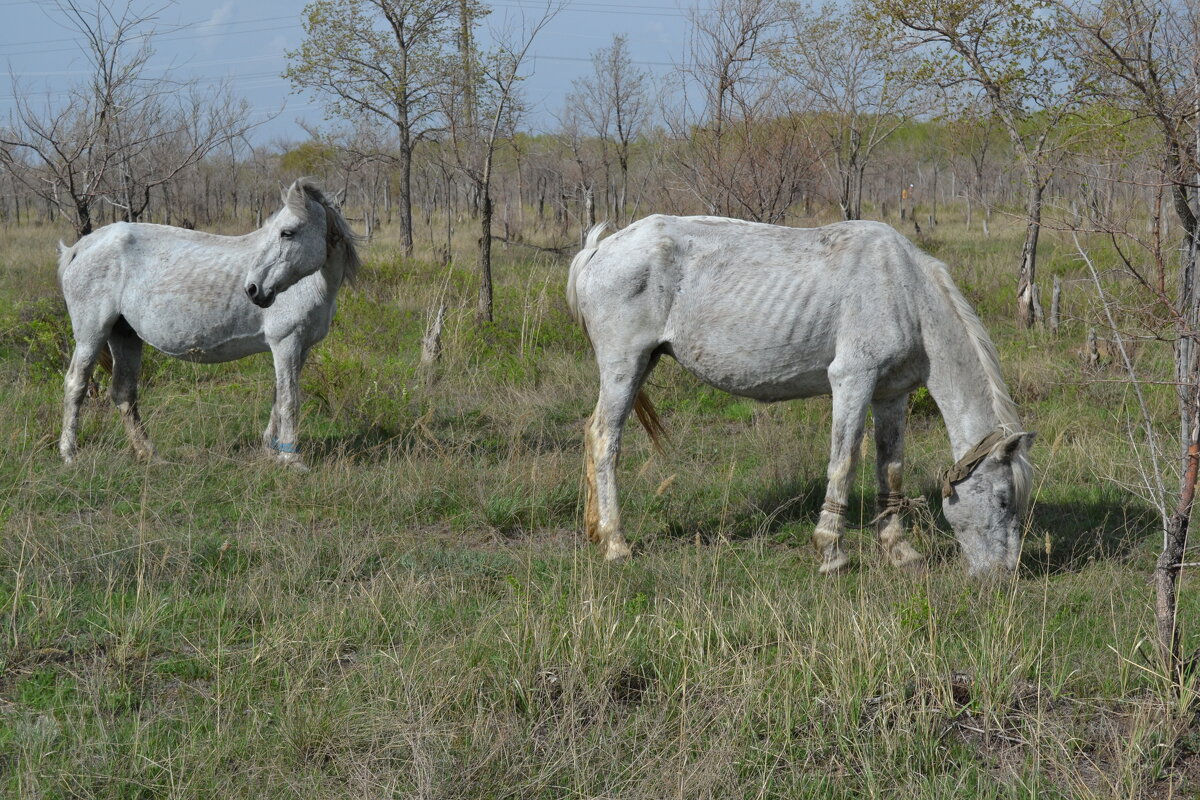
{"x": 75, "y": 383}
{"x": 889, "y": 466}
{"x": 619, "y": 385}
{"x": 126, "y": 347}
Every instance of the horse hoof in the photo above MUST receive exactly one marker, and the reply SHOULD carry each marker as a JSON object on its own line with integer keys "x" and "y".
{"x": 617, "y": 552}
{"x": 906, "y": 558}
{"x": 296, "y": 466}
{"x": 834, "y": 564}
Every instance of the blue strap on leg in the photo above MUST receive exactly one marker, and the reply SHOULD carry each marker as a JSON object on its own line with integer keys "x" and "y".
{"x": 283, "y": 447}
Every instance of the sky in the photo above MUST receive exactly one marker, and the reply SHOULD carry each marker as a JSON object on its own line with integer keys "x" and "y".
{"x": 245, "y": 43}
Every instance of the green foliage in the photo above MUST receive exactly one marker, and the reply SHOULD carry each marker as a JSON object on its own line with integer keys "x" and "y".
{"x": 388, "y": 60}
{"x": 38, "y": 333}
{"x": 308, "y": 158}
{"x": 921, "y": 403}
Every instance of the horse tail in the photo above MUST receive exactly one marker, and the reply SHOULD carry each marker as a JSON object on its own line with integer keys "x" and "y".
{"x": 104, "y": 360}
{"x": 646, "y": 415}
{"x": 65, "y": 256}
{"x": 581, "y": 259}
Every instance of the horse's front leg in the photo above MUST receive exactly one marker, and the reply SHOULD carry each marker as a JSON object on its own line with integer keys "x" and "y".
{"x": 851, "y": 395}
{"x": 280, "y": 436}
{"x": 889, "y": 467}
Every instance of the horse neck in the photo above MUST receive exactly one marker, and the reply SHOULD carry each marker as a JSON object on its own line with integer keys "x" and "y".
{"x": 322, "y": 286}
{"x": 959, "y": 383}
{"x": 334, "y": 272}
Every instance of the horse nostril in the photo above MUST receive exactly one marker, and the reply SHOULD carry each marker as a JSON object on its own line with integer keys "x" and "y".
{"x": 252, "y": 290}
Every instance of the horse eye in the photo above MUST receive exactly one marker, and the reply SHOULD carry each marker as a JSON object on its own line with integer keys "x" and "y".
{"x": 287, "y": 234}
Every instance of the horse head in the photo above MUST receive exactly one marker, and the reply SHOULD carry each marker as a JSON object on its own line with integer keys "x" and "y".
{"x": 297, "y": 241}
{"x": 984, "y": 499}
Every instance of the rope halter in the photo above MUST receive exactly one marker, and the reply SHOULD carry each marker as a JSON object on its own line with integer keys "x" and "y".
{"x": 963, "y": 468}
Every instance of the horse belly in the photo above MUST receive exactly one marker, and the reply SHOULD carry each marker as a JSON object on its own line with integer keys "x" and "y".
{"x": 228, "y": 350}
{"x": 193, "y": 340}
{"x": 766, "y": 371}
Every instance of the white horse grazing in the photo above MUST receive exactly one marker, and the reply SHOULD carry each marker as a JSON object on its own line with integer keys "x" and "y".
{"x": 854, "y": 310}
{"x": 203, "y": 297}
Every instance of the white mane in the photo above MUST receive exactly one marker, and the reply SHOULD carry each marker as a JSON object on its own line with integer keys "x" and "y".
{"x": 1002, "y": 404}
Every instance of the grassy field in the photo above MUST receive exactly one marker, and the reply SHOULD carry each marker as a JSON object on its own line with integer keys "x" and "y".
{"x": 419, "y": 615}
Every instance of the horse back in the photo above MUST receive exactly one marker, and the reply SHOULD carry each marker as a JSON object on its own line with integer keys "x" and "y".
{"x": 763, "y": 310}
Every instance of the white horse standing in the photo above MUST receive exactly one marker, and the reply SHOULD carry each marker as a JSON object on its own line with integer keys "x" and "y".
{"x": 208, "y": 298}
{"x": 852, "y": 309}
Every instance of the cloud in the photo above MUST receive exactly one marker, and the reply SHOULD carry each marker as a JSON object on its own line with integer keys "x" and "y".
{"x": 221, "y": 15}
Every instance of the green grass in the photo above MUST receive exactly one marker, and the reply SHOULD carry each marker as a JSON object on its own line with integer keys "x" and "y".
{"x": 419, "y": 616}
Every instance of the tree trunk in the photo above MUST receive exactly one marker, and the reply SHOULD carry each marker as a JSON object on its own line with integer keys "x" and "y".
{"x": 483, "y": 312}
{"x": 448, "y": 257}
{"x": 1187, "y": 374}
{"x": 1166, "y": 571}
{"x": 83, "y": 214}
{"x": 623, "y": 201}
{"x": 934, "y": 197}
{"x": 405, "y": 198}
{"x": 431, "y": 344}
{"x": 1187, "y": 359}
{"x": 1026, "y": 308}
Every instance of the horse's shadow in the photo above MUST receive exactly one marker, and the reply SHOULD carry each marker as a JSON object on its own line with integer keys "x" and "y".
{"x": 1065, "y": 537}
{"x": 368, "y": 444}
{"x": 1061, "y": 537}
{"x": 381, "y": 442}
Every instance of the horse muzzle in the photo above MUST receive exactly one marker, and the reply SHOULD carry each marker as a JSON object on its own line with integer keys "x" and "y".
{"x": 260, "y": 296}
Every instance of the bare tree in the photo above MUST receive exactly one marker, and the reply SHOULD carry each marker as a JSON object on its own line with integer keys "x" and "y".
{"x": 572, "y": 133}
{"x": 477, "y": 120}
{"x": 1016, "y": 52}
{"x": 613, "y": 101}
{"x": 1146, "y": 56}
{"x": 971, "y": 136}
{"x": 122, "y": 133}
{"x": 384, "y": 58}
{"x": 742, "y": 149}
{"x": 859, "y": 86}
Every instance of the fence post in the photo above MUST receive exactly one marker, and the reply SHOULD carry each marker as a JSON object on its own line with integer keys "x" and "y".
{"x": 1055, "y": 305}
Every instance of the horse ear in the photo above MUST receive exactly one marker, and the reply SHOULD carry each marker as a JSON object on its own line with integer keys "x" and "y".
{"x": 296, "y": 200}
{"x": 1013, "y": 444}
